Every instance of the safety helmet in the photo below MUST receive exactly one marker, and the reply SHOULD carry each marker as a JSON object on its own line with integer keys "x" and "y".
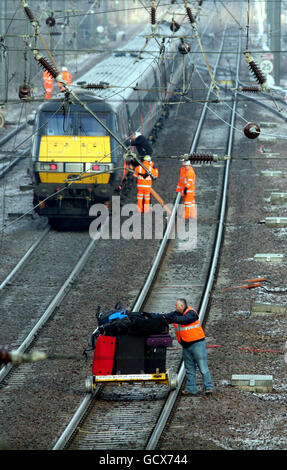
{"x": 64, "y": 69}
{"x": 137, "y": 134}
{"x": 187, "y": 162}
{"x": 147, "y": 158}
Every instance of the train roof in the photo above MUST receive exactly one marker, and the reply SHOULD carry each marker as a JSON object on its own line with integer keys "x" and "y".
{"x": 121, "y": 70}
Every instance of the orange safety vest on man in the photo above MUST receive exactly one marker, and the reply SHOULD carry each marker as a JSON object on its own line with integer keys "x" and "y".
{"x": 179, "y": 188}
{"x": 67, "y": 76}
{"x": 191, "y": 332}
{"x": 188, "y": 192}
{"x": 144, "y": 184}
{"x": 48, "y": 84}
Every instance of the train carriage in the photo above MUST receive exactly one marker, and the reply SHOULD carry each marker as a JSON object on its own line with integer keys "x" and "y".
{"x": 75, "y": 160}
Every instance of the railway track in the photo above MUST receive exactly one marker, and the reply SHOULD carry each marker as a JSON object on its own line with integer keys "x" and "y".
{"x": 134, "y": 417}
{"x": 162, "y": 294}
{"x": 20, "y": 334}
{"x": 12, "y": 378}
{"x": 11, "y": 157}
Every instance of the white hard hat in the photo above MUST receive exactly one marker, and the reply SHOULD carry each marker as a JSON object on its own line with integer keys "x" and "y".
{"x": 64, "y": 69}
{"x": 147, "y": 158}
{"x": 187, "y": 162}
{"x": 137, "y": 134}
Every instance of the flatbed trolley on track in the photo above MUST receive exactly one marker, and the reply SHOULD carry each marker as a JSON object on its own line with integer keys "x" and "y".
{"x": 129, "y": 358}
{"x": 166, "y": 378}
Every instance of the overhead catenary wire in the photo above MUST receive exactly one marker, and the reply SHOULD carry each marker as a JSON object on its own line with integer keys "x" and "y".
{"x": 188, "y": 100}
{"x": 247, "y": 121}
{"x": 54, "y": 72}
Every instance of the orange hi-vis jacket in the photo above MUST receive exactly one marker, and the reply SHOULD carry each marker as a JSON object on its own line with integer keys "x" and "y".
{"x": 67, "y": 76}
{"x": 189, "y": 180}
{"x": 48, "y": 81}
{"x": 145, "y": 183}
{"x": 191, "y": 332}
{"x": 179, "y": 188}
{"x": 188, "y": 193}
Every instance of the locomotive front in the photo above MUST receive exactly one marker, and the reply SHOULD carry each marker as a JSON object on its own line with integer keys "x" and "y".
{"x": 74, "y": 158}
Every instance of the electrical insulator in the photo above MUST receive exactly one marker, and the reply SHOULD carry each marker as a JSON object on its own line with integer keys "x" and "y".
{"x": 251, "y": 130}
{"x": 190, "y": 15}
{"x": 50, "y": 21}
{"x": 184, "y": 48}
{"x": 257, "y": 72}
{"x": 5, "y": 357}
{"x": 255, "y": 69}
{"x": 250, "y": 89}
{"x": 174, "y": 26}
{"x": 95, "y": 86}
{"x": 17, "y": 358}
{"x": 24, "y": 91}
{"x": 29, "y": 13}
{"x": 199, "y": 158}
{"x": 152, "y": 14}
{"x": 45, "y": 64}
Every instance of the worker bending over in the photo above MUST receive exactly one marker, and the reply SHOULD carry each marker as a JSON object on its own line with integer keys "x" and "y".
{"x": 141, "y": 143}
{"x": 144, "y": 183}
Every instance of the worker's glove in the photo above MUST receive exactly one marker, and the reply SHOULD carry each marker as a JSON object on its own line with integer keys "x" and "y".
{"x": 167, "y": 318}
{"x": 185, "y": 191}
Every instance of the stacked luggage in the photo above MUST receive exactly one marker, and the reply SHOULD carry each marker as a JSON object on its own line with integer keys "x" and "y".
{"x": 129, "y": 343}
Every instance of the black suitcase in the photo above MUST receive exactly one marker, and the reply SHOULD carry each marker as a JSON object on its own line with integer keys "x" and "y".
{"x": 129, "y": 355}
{"x": 155, "y": 359}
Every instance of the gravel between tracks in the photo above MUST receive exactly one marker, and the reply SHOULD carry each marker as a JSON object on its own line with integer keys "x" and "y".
{"x": 232, "y": 418}
{"x": 235, "y": 419}
{"x": 33, "y": 416}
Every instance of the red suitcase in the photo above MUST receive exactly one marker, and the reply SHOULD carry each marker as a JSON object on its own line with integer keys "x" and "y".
{"x": 103, "y": 360}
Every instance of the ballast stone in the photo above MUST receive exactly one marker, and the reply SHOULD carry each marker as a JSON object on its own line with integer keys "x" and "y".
{"x": 253, "y": 383}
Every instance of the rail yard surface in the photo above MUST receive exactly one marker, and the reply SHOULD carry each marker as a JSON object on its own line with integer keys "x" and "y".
{"x": 64, "y": 275}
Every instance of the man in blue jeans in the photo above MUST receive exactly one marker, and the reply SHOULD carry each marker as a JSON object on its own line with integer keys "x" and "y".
{"x": 191, "y": 336}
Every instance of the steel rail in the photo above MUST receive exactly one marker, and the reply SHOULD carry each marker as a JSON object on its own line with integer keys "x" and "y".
{"x": 88, "y": 399}
{"x": 11, "y": 134}
{"x": 252, "y": 98}
{"x": 52, "y": 306}
{"x": 4, "y": 140}
{"x": 24, "y": 259}
{"x": 156, "y": 434}
{"x": 14, "y": 162}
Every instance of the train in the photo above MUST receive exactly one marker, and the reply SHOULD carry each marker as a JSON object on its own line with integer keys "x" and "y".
{"x": 76, "y": 161}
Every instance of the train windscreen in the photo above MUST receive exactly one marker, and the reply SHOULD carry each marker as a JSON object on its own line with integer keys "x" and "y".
{"x": 73, "y": 123}
{"x": 56, "y": 124}
{"x": 89, "y": 126}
